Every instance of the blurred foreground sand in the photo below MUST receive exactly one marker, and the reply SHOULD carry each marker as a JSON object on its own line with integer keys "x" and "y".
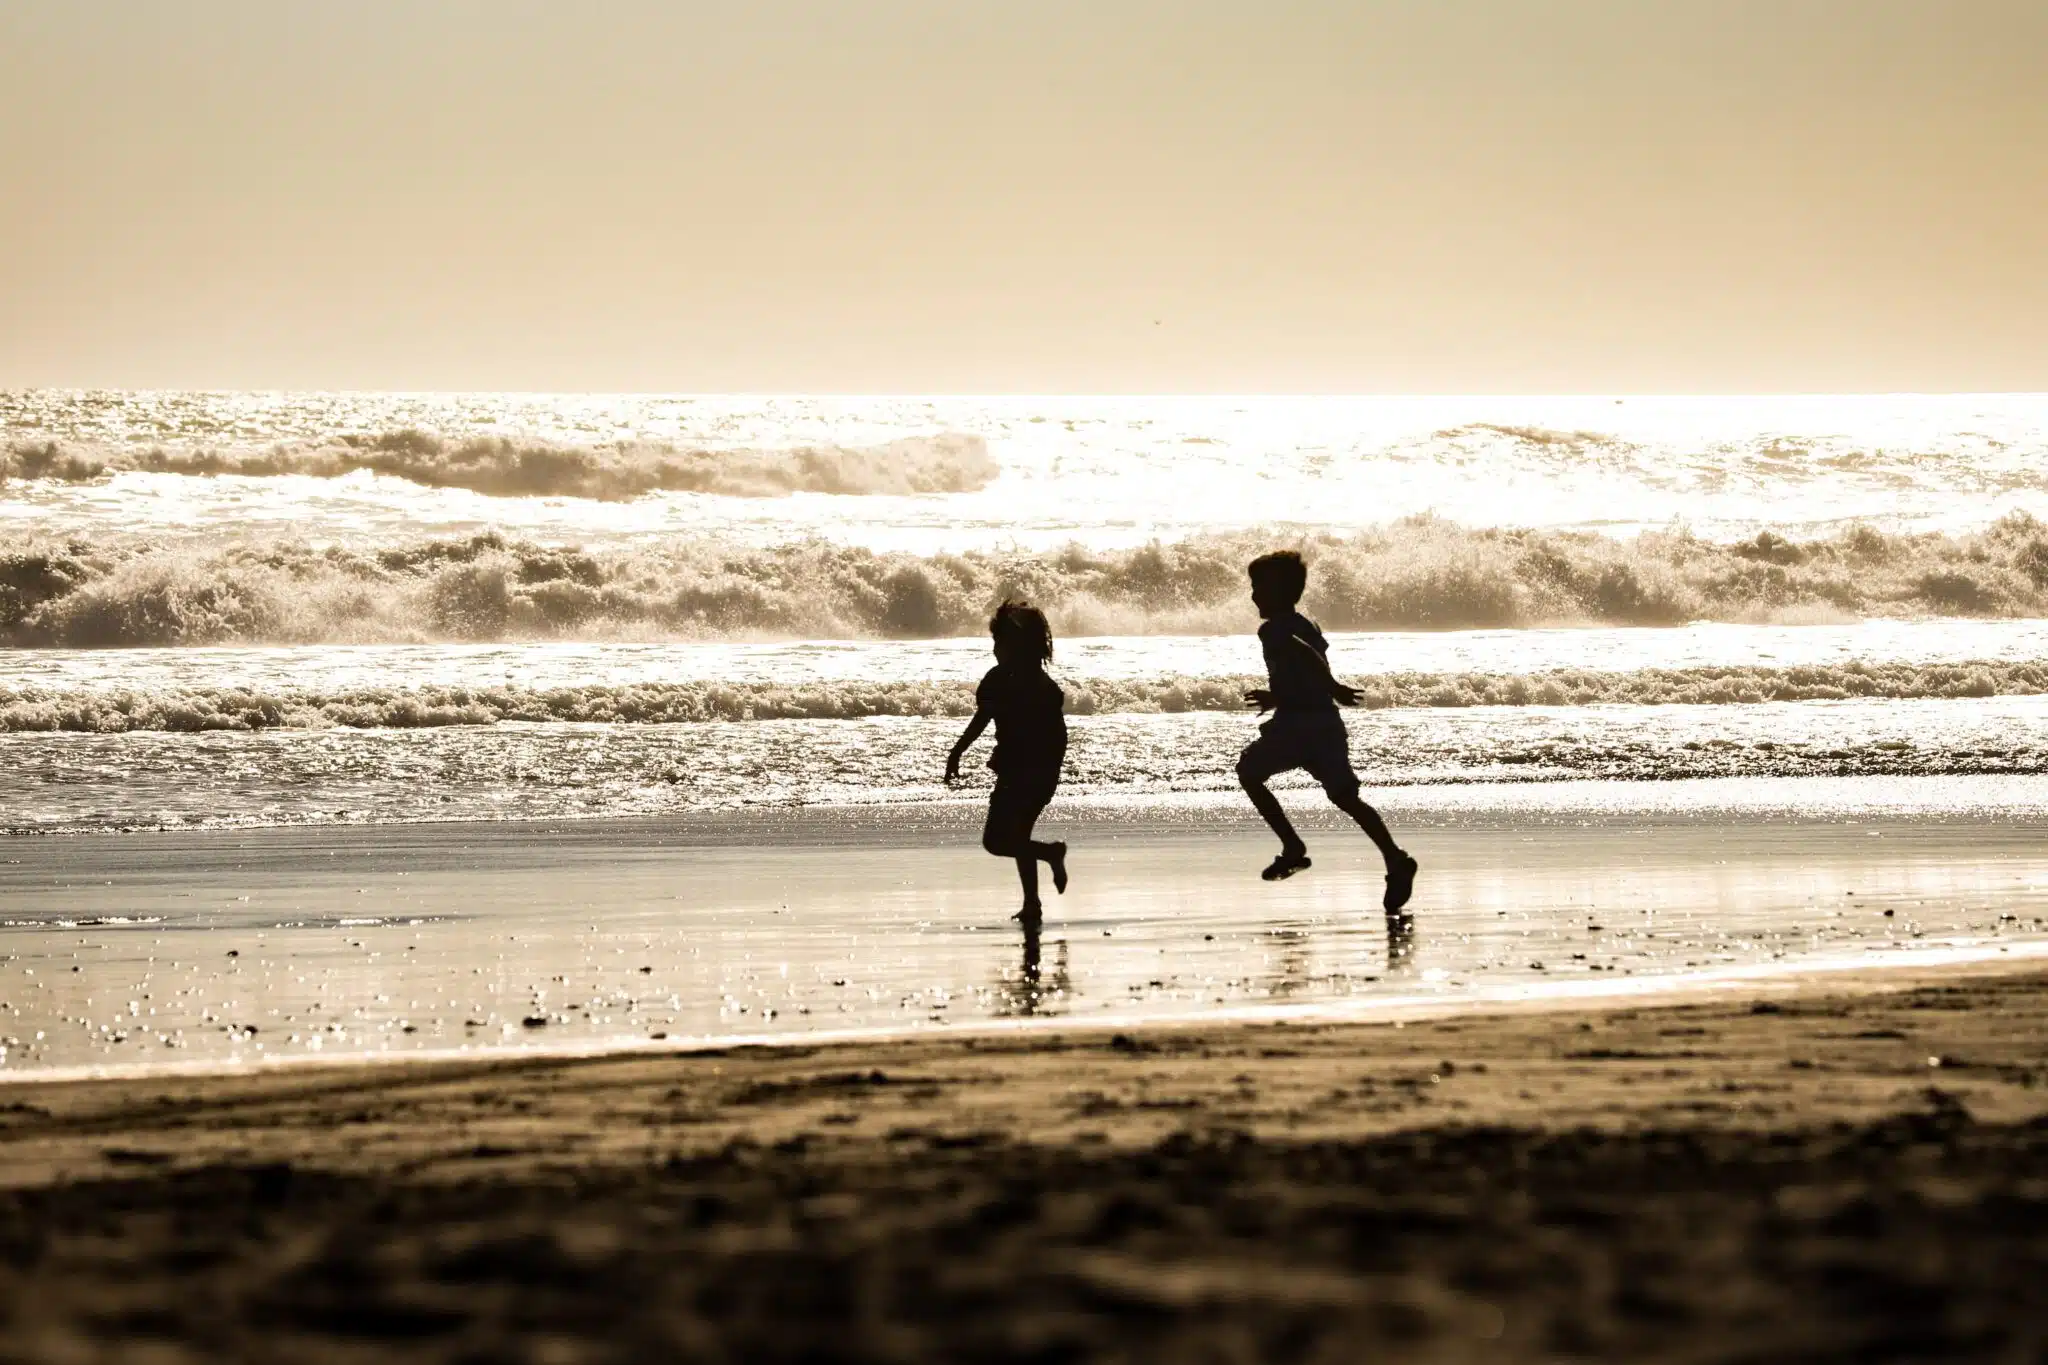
{"x": 1842, "y": 1167}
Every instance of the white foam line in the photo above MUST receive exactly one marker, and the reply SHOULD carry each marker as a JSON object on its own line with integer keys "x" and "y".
{"x": 1663, "y": 990}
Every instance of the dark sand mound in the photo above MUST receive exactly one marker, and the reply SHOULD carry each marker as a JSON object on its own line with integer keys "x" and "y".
{"x": 1915, "y": 1237}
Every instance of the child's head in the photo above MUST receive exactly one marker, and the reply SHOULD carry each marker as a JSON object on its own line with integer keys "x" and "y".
{"x": 1278, "y": 581}
{"x": 1021, "y": 633}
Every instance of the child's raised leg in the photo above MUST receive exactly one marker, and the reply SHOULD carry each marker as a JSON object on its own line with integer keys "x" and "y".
{"x": 1254, "y": 766}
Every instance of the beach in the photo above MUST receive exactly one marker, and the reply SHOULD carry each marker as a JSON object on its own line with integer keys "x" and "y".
{"x": 477, "y": 881}
{"x": 1822, "y": 1166}
{"x": 1037, "y": 684}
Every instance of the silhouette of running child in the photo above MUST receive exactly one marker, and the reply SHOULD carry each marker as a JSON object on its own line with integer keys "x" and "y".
{"x": 1306, "y": 731}
{"x": 1031, "y": 742}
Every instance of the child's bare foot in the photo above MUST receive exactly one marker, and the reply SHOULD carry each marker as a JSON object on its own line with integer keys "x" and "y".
{"x": 1032, "y": 913}
{"x": 1400, "y": 881}
{"x": 1058, "y": 863}
{"x": 1285, "y": 866}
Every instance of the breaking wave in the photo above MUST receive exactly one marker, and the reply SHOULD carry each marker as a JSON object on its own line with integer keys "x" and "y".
{"x": 951, "y": 462}
{"x": 229, "y": 708}
{"x": 1419, "y": 573}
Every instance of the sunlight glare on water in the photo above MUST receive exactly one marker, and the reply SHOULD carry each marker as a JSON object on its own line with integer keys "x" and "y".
{"x": 289, "y": 945}
{"x": 1090, "y": 469}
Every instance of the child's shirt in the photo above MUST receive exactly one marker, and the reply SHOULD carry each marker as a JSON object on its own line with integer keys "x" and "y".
{"x": 1297, "y": 684}
{"x": 1031, "y": 727}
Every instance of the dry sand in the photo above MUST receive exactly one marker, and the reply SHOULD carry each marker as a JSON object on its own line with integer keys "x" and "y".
{"x": 1846, "y": 1168}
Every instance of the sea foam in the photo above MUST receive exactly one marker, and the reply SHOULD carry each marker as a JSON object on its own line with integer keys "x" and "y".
{"x": 1420, "y": 573}
{"x": 951, "y": 462}
{"x": 199, "y": 709}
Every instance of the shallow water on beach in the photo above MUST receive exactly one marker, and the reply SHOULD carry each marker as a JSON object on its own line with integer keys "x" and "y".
{"x": 233, "y": 947}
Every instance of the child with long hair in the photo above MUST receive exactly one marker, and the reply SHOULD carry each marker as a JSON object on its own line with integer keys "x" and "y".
{"x": 1026, "y": 707}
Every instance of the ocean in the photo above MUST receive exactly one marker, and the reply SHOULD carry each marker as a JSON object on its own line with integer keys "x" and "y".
{"x": 229, "y": 613}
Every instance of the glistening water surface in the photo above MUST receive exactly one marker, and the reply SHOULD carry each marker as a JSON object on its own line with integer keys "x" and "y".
{"x": 165, "y": 781}
{"x": 925, "y": 473}
{"x": 224, "y": 947}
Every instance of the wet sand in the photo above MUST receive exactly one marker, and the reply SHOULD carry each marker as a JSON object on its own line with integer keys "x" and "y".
{"x": 1836, "y": 1167}
{"x": 233, "y": 947}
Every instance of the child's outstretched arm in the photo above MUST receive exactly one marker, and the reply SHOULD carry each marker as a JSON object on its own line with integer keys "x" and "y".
{"x": 1263, "y": 698}
{"x": 966, "y": 742}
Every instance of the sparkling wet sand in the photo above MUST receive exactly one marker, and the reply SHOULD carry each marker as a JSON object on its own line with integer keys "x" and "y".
{"x": 233, "y": 947}
{"x": 1829, "y": 1167}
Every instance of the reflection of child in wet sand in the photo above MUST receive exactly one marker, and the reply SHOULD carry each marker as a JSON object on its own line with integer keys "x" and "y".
{"x": 1305, "y": 731}
{"x": 1031, "y": 741}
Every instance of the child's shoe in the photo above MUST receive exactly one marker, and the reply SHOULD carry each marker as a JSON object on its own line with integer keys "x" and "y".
{"x": 1285, "y": 866}
{"x": 1400, "y": 881}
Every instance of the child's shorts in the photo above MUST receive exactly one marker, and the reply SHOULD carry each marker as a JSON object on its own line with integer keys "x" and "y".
{"x": 1013, "y": 808}
{"x": 1317, "y": 742}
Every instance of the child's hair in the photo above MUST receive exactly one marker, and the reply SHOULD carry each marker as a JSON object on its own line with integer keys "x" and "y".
{"x": 1282, "y": 571}
{"x": 1021, "y": 630}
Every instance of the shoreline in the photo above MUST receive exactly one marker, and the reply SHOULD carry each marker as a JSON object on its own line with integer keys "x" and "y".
{"x": 1761, "y": 1022}
{"x": 1846, "y": 973}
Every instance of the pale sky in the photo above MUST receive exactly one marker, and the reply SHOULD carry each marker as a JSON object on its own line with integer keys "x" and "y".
{"x": 1374, "y": 196}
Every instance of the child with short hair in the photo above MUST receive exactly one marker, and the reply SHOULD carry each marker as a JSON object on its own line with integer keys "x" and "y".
{"x": 1306, "y": 730}
{"x": 1027, "y": 707}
